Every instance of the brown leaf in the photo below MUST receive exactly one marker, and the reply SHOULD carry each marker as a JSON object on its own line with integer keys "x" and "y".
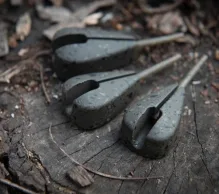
{"x": 12, "y": 42}
{"x": 167, "y": 23}
{"x": 217, "y": 54}
{"x": 53, "y": 13}
{"x": 78, "y": 17}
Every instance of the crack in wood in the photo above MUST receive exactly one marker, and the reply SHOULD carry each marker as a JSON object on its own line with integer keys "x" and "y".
{"x": 120, "y": 187}
{"x": 101, "y": 151}
{"x": 35, "y": 159}
{"x": 169, "y": 179}
{"x": 203, "y": 157}
{"x": 180, "y": 187}
{"x": 139, "y": 189}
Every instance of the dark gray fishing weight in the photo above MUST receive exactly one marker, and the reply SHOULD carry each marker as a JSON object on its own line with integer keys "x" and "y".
{"x": 149, "y": 126}
{"x": 94, "y": 99}
{"x": 85, "y": 50}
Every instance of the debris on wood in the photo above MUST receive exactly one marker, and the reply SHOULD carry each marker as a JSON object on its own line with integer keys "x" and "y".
{"x": 16, "y": 2}
{"x": 53, "y": 13}
{"x": 217, "y": 70}
{"x": 50, "y": 32}
{"x": 207, "y": 102}
{"x": 48, "y": 100}
{"x": 204, "y": 93}
{"x": 12, "y": 42}
{"x": 167, "y": 23}
{"x": 94, "y": 171}
{"x": 175, "y": 78}
{"x": 6, "y": 76}
{"x": 16, "y": 186}
{"x": 191, "y": 27}
{"x": 93, "y": 19}
{"x": 3, "y": 40}
{"x": 217, "y": 54}
{"x": 187, "y": 39}
{"x": 3, "y": 173}
{"x": 165, "y": 8}
{"x": 23, "y": 26}
{"x": 78, "y": 17}
{"x": 22, "y": 52}
{"x": 106, "y": 18}
{"x": 211, "y": 68}
{"x": 206, "y": 32}
{"x": 198, "y": 82}
{"x": 92, "y": 7}
{"x": 187, "y": 111}
{"x": 80, "y": 176}
{"x": 215, "y": 85}
{"x": 57, "y": 2}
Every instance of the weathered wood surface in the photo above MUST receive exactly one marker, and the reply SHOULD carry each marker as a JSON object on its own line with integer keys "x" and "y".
{"x": 191, "y": 166}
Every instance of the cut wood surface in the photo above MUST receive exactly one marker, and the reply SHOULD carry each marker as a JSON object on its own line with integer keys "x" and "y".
{"x": 191, "y": 166}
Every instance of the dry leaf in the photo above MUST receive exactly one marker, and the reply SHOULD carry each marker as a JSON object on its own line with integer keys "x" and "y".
{"x": 12, "y": 42}
{"x": 167, "y": 23}
{"x": 78, "y": 17}
{"x": 53, "y": 13}
{"x": 50, "y": 32}
{"x": 93, "y": 19}
{"x": 23, "y": 26}
{"x": 217, "y": 54}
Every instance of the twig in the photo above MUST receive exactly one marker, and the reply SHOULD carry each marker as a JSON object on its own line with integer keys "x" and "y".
{"x": 41, "y": 53}
{"x": 206, "y": 32}
{"x": 192, "y": 28}
{"x": 6, "y": 76}
{"x": 148, "y": 10}
{"x": 43, "y": 84}
{"x": 16, "y": 186}
{"x": 97, "y": 172}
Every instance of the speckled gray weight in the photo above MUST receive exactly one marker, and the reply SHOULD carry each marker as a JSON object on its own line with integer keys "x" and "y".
{"x": 92, "y": 103}
{"x": 141, "y": 135}
{"x": 94, "y": 99}
{"x": 79, "y": 51}
{"x": 107, "y": 51}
